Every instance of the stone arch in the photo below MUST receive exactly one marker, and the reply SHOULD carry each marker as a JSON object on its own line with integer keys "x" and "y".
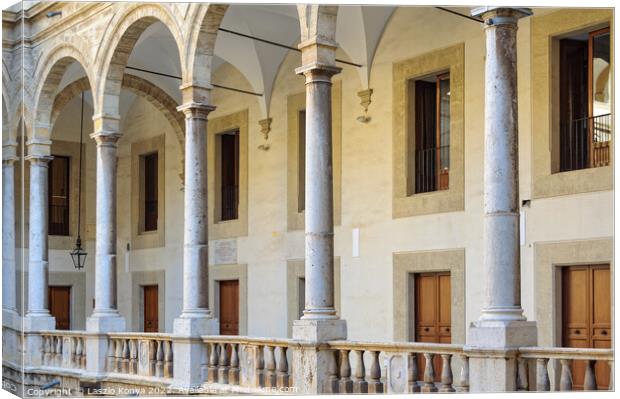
{"x": 121, "y": 42}
{"x": 137, "y": 85}
{"x": 201, "y": 44}
{"x": 52, "y": 69}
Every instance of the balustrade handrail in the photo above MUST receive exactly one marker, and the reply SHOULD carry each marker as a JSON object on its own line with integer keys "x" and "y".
{"x": 245, "y": 340}
{"x": 141, "y": 335}
{"x": 417, "y": 347}
{"x": 63, "y": 333}
{"x": 535, "y": 352}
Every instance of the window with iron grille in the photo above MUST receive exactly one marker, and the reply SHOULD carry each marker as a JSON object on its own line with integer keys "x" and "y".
{"x": 429, "y": 145}
{"x": 584, "y": 100}
{"x": 58, "y": 195}
{"x": 150, "y": 181}
{"x": 228, "y": 175}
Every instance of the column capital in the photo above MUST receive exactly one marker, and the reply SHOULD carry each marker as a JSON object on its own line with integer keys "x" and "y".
{"x": 39, "y": 159}
{"x": 196, "y": 110}
{"x": 318, "y": 72}
{"x": 494, "y": 16}
{"x": 9, "y": 151}
{"x": 38, "y": 146}
{"x": 106, "y": 138}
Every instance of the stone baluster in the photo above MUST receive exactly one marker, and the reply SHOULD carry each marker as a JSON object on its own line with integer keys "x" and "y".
{"x": 260, "y": 366}
{"x": 46, "y": 350}
{"x": 542, "y": 375}
{"x": 77, "y": 360}
{"x": 346, "y": 383}
{"x": 83, "y": 358}
{"x": 359, "y": 382}
{"x": 332, "y": 372}
{"x": 566, "y": 378}
{"x": 222, "y": 371}
{"x": 283, "y": 375}
{"x": 270, "y": 366}
{"x": 412, "y": 373}
{"x": 168, "y": 359}
{"x": 464, "y": 378}
{"x": 152, "y": 357}
{"x": 118, "y": 354}
{"x": 133, "y": 356}
{"x": 446, "y": 373}
{"x": 213, "y": 359}
{"x": 159, "y": 360}
{"x": 111, "y": 356}
{"x": 429, "y": 374}
{"x": 589, "y": 380}
{"x": 233, "y": 371}
{"x": 375, "y": 385}
{"x": 522, "y": 375}
{"x": 126, "y": 356}
{"x": 58, "y": 351}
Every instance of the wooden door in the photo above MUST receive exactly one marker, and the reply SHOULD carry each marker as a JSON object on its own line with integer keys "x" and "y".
{"x": 586, "y": 316}
{"x": 229, "y": 307}
{"x": 432, "y": 314}
{"x": 60, "y": 306}
{"x": 151, "y": 308}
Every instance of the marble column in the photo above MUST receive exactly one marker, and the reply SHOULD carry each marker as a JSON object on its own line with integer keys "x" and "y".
{"x": 319, "y": 322}
{"x": 196, "y": 318}
{"x": 105, "y": 316}
{"x": 502, "y": 325}
{"x": 37, "y": 315}
{"x": 9, "y": 294}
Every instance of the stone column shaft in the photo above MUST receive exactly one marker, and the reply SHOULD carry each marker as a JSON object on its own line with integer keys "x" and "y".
{"x": 319, "y": 212}
{"x": 196, "y": 226}
{"x": 8, "y": 233}
{"x": 501, "y": 172}
{"x": 105, "y": 244}
{"x": 37, "y": 237}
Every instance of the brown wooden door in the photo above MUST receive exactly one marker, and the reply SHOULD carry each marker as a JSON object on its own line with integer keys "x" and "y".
{"x": 60, "y": 306}
{"x": 151, "y": 308}
{"x": 586, "y": 316}
{"x": 432, "y": 314}
{"x": 229, "y": 307}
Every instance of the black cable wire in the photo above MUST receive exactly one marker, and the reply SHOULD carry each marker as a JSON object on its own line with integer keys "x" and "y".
{"x": 179, "y": 78}
{"x": 258, "y": 39}
{"x": 459, "y": 14}
{"x": 80, "y": 171}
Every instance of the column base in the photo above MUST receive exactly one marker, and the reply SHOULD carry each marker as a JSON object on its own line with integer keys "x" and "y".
{"x": 106, "y": 322}
{"x": 11, "y": 319}
{"x": 492, "y": 350}
{"x": 39, "y": 322}
{"x": 312, "y": 373}
{"x": 319, "y": 330}
{"x": 190, "y": 353}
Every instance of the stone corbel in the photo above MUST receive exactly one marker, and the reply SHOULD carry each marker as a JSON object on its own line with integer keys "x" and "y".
{"x": 365, "y": 100}
{"x": 265, "y": 128}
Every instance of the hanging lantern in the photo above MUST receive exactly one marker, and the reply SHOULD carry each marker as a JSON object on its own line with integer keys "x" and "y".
{"x": 78, "y": 255}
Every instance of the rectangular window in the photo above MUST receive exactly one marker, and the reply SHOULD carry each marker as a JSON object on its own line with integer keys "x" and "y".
{"x": 58, "y": 192}
{"x": 150, "y": 174}
{"x": 585, "y": 100}
{"x": 229, "y": 175}
{"x": 430, "y": 114}
{"x": 301, "y": 191}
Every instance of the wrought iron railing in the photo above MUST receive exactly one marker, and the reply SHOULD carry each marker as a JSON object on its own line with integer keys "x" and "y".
{"x": 432, "y": 169}
{"x": 58, "y": 220}
{"x": 586, "y": 144}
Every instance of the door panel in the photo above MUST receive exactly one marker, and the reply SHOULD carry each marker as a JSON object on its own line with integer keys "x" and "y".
{"x": 151, "y": 308}
{"x": 229, "y": 307}
{"x": 432, "y": 314}
{"x": 60, "y": 306}
{"x": 586, "y": 316}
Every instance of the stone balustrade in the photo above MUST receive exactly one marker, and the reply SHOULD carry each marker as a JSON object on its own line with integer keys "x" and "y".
{"x": 142, "y": 354}
{"x": 256, "y": 364}
{"x": 63, "y": 349}
{"x": 372, "y": 367}
{"x": 540, "y": 358}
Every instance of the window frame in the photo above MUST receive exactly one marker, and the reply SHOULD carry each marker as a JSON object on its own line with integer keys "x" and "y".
{"x": 68, "y": 174}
